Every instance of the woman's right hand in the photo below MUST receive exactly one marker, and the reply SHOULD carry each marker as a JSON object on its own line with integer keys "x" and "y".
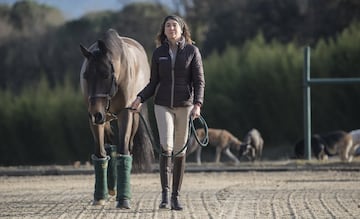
{"x": 136, "y": 104}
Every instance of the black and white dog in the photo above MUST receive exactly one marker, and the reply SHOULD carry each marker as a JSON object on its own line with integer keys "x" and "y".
{"x": 328, "y": 144}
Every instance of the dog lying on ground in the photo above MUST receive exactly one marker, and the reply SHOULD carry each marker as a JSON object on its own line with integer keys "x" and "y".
{"x": 252, "y": 145}
{"x": 316, "y": 148}
{"x": 328, "y": 144}
{"x": 222, "y": 139}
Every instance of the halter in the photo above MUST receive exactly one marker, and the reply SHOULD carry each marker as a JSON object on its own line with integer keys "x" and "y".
{"x": 111, "y": 93}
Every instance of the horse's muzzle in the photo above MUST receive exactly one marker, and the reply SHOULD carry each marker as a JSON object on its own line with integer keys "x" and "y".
{"x": 97, "y": 118}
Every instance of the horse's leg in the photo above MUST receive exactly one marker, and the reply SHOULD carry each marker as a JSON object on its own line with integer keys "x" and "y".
{"x": 126, "y": 132}
{"x": 124, "y": 160}
{"x": 100, "y": 162}
{"x": 109, "y": 134}
{"x": 98, "y": 132}
{"x": 134, "y": 129}
{"x": 111, "y": 152}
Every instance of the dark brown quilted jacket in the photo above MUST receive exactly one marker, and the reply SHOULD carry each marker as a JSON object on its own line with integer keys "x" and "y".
{"x": 182, "y": 87}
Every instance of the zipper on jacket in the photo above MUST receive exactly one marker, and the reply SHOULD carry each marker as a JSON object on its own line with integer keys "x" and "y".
{"x": 172, "y": 56}
{"x": 172, "y": 87}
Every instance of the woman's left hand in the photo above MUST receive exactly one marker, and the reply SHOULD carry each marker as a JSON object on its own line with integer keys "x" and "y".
{"x": 136, "y": 104}
{"x": 195, "y": 112}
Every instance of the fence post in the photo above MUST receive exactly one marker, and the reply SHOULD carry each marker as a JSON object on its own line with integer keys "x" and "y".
{"x": 307, "y": 104}
{"x": 307, "y": 82}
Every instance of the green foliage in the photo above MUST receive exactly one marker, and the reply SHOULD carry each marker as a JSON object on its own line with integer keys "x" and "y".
{"x": 260, "y": 86}
{"x": 43, "y": 125}
{"x": 256, "y": 86}
{"x": 333, "y": 105}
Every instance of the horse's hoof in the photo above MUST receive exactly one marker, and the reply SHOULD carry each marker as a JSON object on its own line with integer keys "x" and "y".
{"x": 112, "y": 192}
{"x": 99, "y": 202}
{"x": 123, "y": 204}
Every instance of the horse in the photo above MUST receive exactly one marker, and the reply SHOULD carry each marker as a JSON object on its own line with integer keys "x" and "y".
{"x": 327, "y": 144}
{"x": 114, "y": 70}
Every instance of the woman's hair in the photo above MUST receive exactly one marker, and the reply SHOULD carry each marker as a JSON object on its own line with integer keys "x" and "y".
{"x": 160, "y": 38}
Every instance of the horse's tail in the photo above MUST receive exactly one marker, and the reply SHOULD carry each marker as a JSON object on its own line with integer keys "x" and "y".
{"x": 143, "y": 154}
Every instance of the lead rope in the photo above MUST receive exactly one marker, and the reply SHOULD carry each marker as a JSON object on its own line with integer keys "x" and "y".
{"x": 192, "y": 131}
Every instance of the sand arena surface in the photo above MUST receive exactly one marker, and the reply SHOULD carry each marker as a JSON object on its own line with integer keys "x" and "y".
{"x": 242, "y": 194}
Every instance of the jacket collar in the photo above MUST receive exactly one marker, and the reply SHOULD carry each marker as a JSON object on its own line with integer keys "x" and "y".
{"x": 180, "y": 43}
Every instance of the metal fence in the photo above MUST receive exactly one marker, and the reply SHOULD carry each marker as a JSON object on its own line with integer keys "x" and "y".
{"x": 307, "y": 83}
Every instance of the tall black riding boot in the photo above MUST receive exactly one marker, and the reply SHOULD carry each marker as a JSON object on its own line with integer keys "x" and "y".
{"x": 165, "y": 171}
{"x": 178, "y": 173}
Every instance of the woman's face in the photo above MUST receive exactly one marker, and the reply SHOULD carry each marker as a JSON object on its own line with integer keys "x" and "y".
{"x": 172, "y": 30}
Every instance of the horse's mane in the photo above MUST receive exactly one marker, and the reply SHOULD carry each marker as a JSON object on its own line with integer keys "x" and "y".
{"x": 119, "y": 51}
{"x": 113, "y": 42}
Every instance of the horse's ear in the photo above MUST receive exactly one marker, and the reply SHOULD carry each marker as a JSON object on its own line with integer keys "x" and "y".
{"x": 102, "y": 47}
{"x": 85, "y": 52}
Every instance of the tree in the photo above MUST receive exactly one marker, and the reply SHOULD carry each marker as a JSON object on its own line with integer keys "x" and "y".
{"x": 140, "y": 21}
{"x": 5, "y": 27}
{"x": 220, "y": 23}
{"x": 31, "y": 18}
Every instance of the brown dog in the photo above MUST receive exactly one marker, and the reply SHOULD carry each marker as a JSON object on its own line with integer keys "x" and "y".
{"x": 252, "y": 145}
{"x": 222, "y": 139}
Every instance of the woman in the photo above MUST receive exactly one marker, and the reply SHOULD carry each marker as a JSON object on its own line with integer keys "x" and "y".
{"x": 177, "y": 80}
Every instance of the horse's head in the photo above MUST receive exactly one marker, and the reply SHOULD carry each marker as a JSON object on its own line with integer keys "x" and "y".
{"x": 100, "y": 81}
